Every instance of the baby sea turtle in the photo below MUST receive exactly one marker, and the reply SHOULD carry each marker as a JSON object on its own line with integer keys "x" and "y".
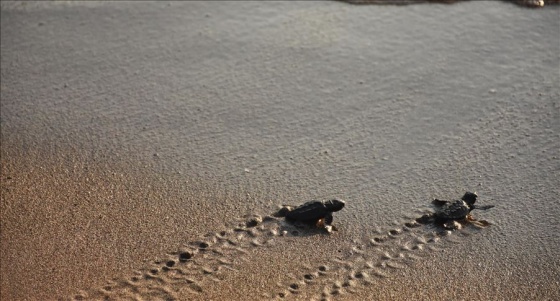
{"x": 314, "y": 212}
{"x": 449, "y": 212}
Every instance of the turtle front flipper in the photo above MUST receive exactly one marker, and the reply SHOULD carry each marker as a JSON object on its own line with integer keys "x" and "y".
{"x": 483, "y": 207}
{"x": 326, "y": 223}
{"x": 322, "y": 223}
{"x": 452, "y": 225}
{"x": 328, "y": 219}
{"x": 481, "y": 223}
{"x": 439, "y": 202}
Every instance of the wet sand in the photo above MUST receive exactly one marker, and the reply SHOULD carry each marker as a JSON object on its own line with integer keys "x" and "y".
{"x": 138, "y": 139}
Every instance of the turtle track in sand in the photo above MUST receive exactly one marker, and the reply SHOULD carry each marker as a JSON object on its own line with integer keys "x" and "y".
{"x": 373, "y": 259}
{"x": 197, "y": 264}
{"x": 204, "y": 262}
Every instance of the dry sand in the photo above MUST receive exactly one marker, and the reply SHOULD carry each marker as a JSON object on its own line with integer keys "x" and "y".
{"x": 137, "y": 139}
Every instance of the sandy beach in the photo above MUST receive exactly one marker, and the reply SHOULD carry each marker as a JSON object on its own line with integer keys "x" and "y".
{"x": 145, "y": 146}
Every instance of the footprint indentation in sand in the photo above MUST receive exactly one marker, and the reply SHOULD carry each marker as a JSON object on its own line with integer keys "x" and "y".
{"x": 184, "y": 256}
{"x": 377, "y": 257}
{"x": 198, "y": 264}
{"x": 208, "y": 260}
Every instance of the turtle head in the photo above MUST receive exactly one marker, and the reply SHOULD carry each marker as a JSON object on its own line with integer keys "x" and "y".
{"x": 334, "y": 205}
{"x": 470, "y": 198}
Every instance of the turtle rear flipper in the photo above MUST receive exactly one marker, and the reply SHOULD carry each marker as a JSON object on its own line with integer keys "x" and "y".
{"x": 283, "y": 211}
{"x": 426, "y": 219}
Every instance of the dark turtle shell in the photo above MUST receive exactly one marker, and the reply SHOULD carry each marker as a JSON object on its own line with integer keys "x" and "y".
{"x": 458, "y": 209}
{"x": 313, "y": 211}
